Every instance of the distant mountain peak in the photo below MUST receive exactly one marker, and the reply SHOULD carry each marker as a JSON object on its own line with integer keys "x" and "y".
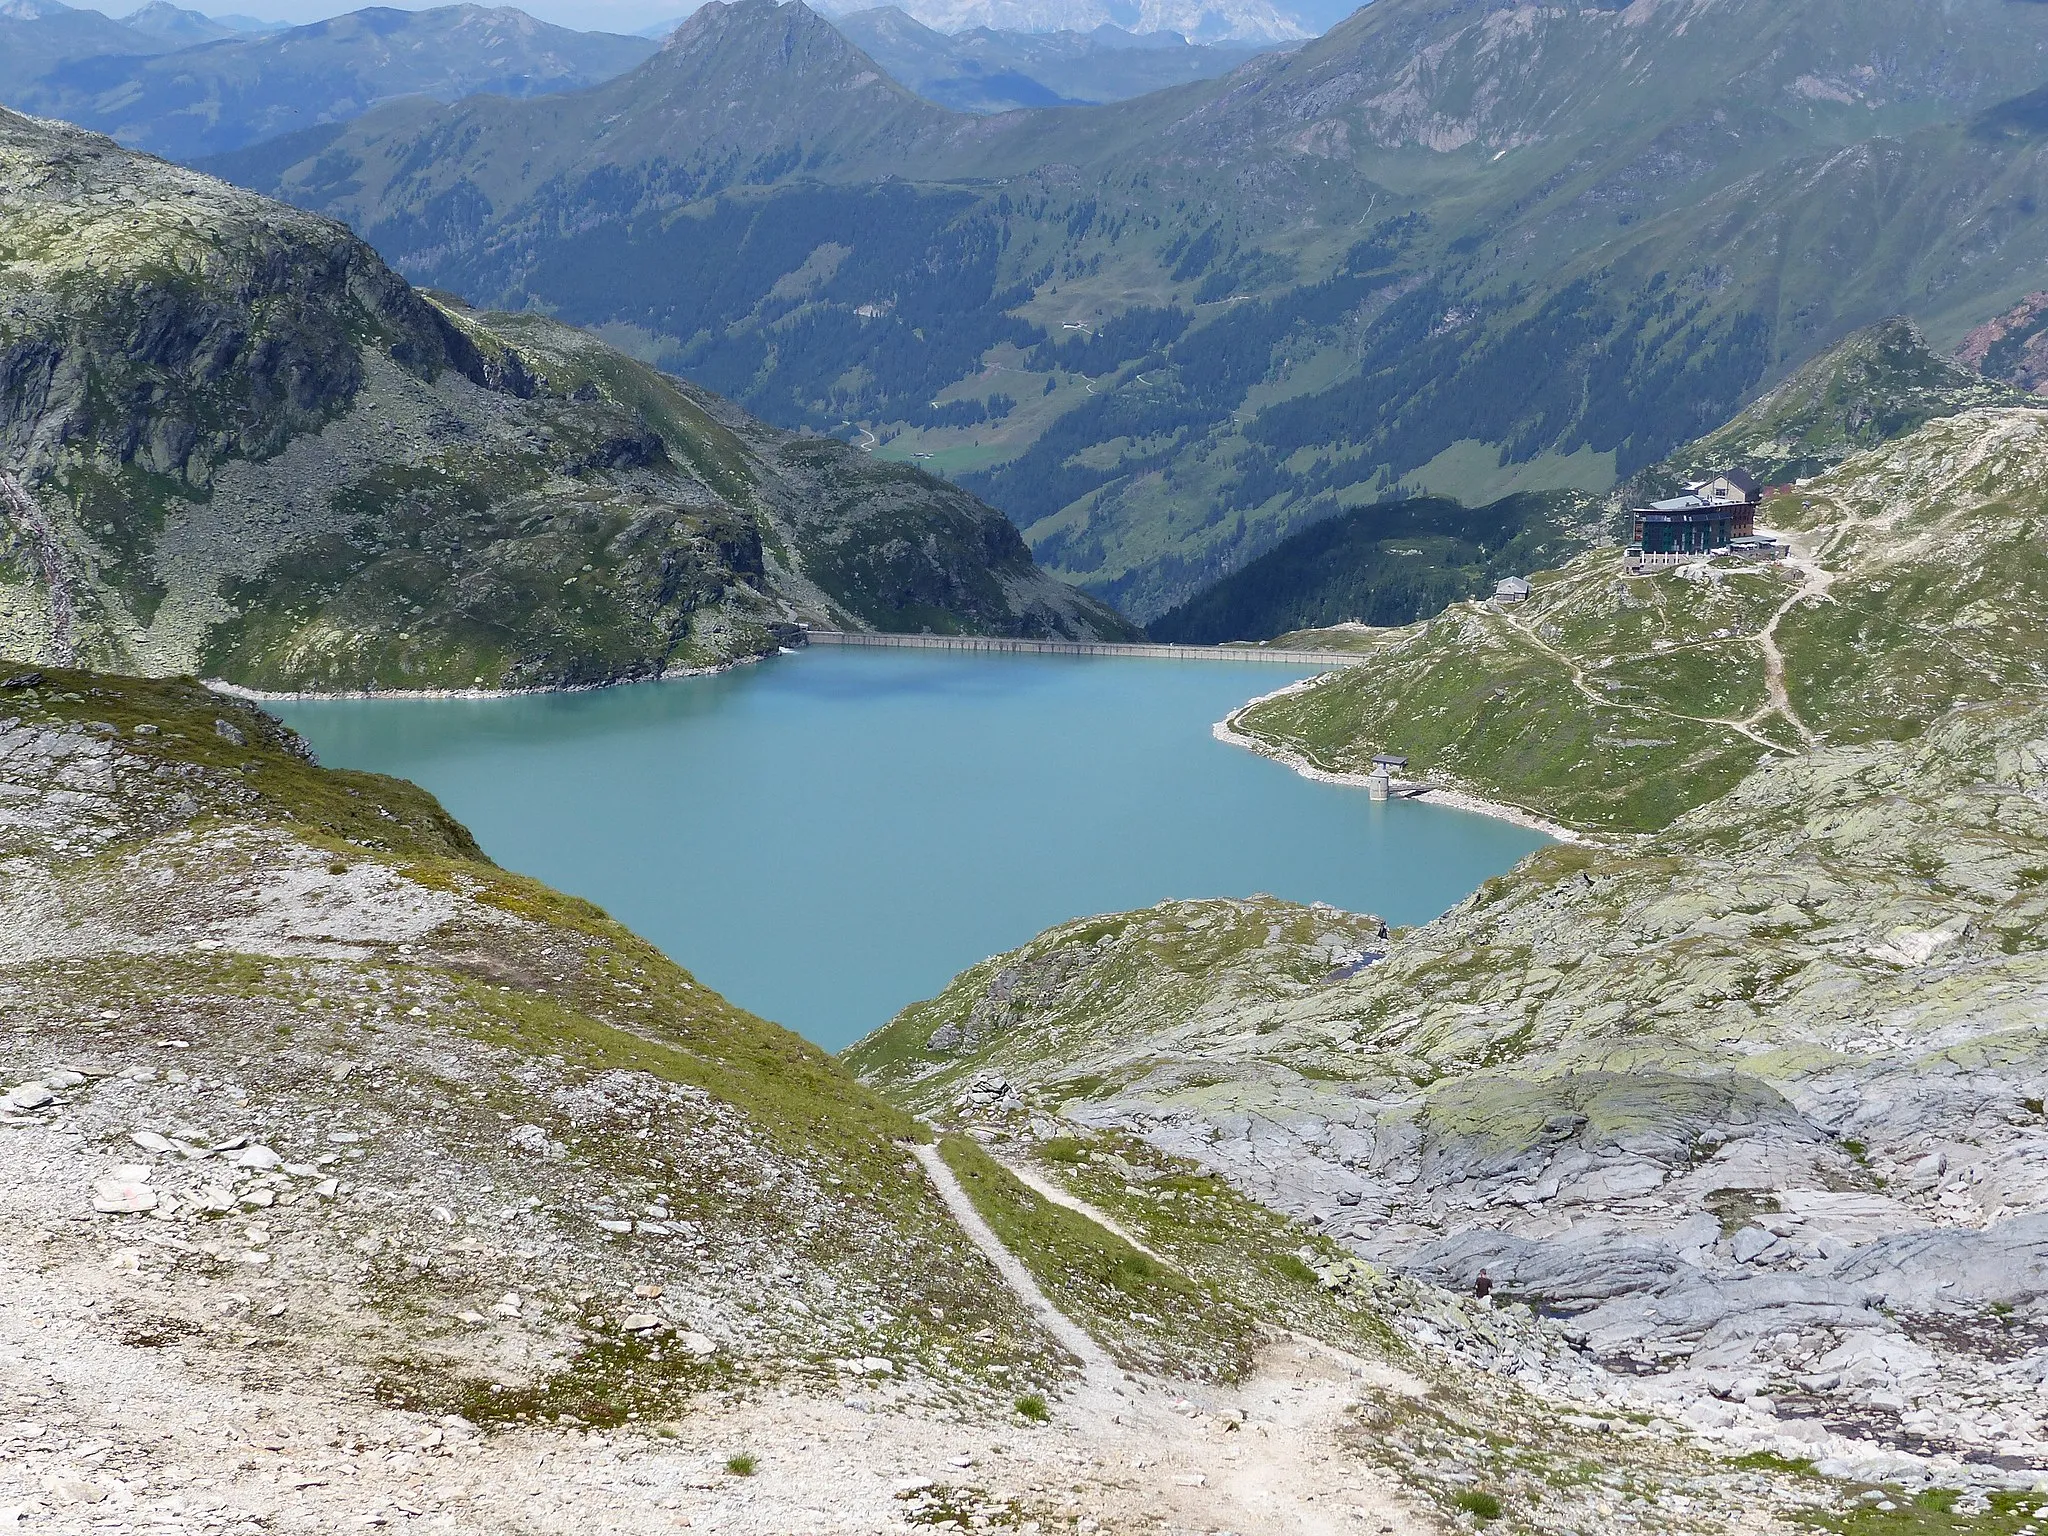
{"x": 720, "y": 20}
{"x": 1206, "y": 21}
{"x": 173, "y": 23}
{"x": 762, "y": 73}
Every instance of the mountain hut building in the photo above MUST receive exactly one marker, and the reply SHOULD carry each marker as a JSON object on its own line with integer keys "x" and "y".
{"x": 1711, "y": 515}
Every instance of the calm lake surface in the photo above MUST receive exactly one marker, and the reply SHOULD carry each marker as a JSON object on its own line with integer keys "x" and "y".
{"x": 829, "y": 836}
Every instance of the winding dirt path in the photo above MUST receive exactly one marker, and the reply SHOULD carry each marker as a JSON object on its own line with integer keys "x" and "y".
{"x": 1814, "y": 583}
{"x": 1099, "y": 1371}
{"x": 1076, "y": 1204}
{"x": 1578, "y": 679}
{"x": 1262, "y": 1457}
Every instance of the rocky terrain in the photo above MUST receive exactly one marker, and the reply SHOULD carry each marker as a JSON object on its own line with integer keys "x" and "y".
{"x": 401, "y": 1176}
{"x": 1745, "y": 1104}
{"x": 354, "y": 1182}
{"x": 232, "y": 441}
{"x": 2012, "y": 347}
{"x": 1873, "y": 387}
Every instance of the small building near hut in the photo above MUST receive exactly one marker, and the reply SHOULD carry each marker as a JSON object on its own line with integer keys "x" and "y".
{"x": 1763, "y": 547}
{"x": 1711, "y": 515}
{"x": 1511, "y": 589}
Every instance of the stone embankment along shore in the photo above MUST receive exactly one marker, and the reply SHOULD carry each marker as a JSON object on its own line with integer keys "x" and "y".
{"x": 1226, "y": 731}
{"x": 1088, "y": 648}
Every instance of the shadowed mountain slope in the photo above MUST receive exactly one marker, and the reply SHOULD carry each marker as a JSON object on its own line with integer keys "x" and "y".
{"x": 1383, "y": 565}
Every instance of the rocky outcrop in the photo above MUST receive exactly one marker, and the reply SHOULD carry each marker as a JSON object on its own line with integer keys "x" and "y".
{"x": 1752, "y": 1109}
{"x": 1874, "y": 386}
{"x": 256, "y": 451}
{"x": 2013, "y": 347}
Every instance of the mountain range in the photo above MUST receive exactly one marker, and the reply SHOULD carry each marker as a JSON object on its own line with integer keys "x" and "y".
{"x": 982, "y": 70}
{"x": 1460, "y": 249}
{"x": 1260, "y": 22}
{"x": 1684, "y": 1178}
{"x": 235, "y": 442}
{"x": 179, "y": 84}
{"x": 185, "y": 85}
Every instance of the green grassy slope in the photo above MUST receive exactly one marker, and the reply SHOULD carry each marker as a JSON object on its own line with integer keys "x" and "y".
{"x": 1617, "y": 703}
{"x": 485, "y": 1040}
{"x": 1601, "y": 703}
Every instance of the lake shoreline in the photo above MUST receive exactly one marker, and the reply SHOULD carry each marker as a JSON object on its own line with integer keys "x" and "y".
{"x": 1226, "y": 731}
{"x": 316, "y": 696}
{"x": 892, "y": 817}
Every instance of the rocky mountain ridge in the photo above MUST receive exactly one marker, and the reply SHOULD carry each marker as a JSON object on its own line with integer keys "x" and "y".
{"x": 237, "y": 443}
{"x": 985, "y": 70}
{"x": 1873, "y": 387}
{"x": 1234, "y": 21}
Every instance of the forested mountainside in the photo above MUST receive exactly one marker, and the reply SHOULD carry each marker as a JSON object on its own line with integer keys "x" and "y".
{"x": 1387, "y": 564}
{"x": 1464, "y": 249}
{"x": 985, "y": 70}
{"x": 236, "y": 443}
{"x": 169, "y": 91}
{"x": 1392, "y": 563}
{"x": 1743, "y": 1091}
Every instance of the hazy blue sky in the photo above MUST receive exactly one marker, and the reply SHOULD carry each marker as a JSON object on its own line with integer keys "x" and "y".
{"x": 586, "y": 15}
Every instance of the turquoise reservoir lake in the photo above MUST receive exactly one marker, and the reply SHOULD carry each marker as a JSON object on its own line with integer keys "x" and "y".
{"x": 826, "y": 837}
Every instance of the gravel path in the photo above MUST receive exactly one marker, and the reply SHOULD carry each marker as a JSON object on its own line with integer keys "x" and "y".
{"x": 1101, "y": 1372}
